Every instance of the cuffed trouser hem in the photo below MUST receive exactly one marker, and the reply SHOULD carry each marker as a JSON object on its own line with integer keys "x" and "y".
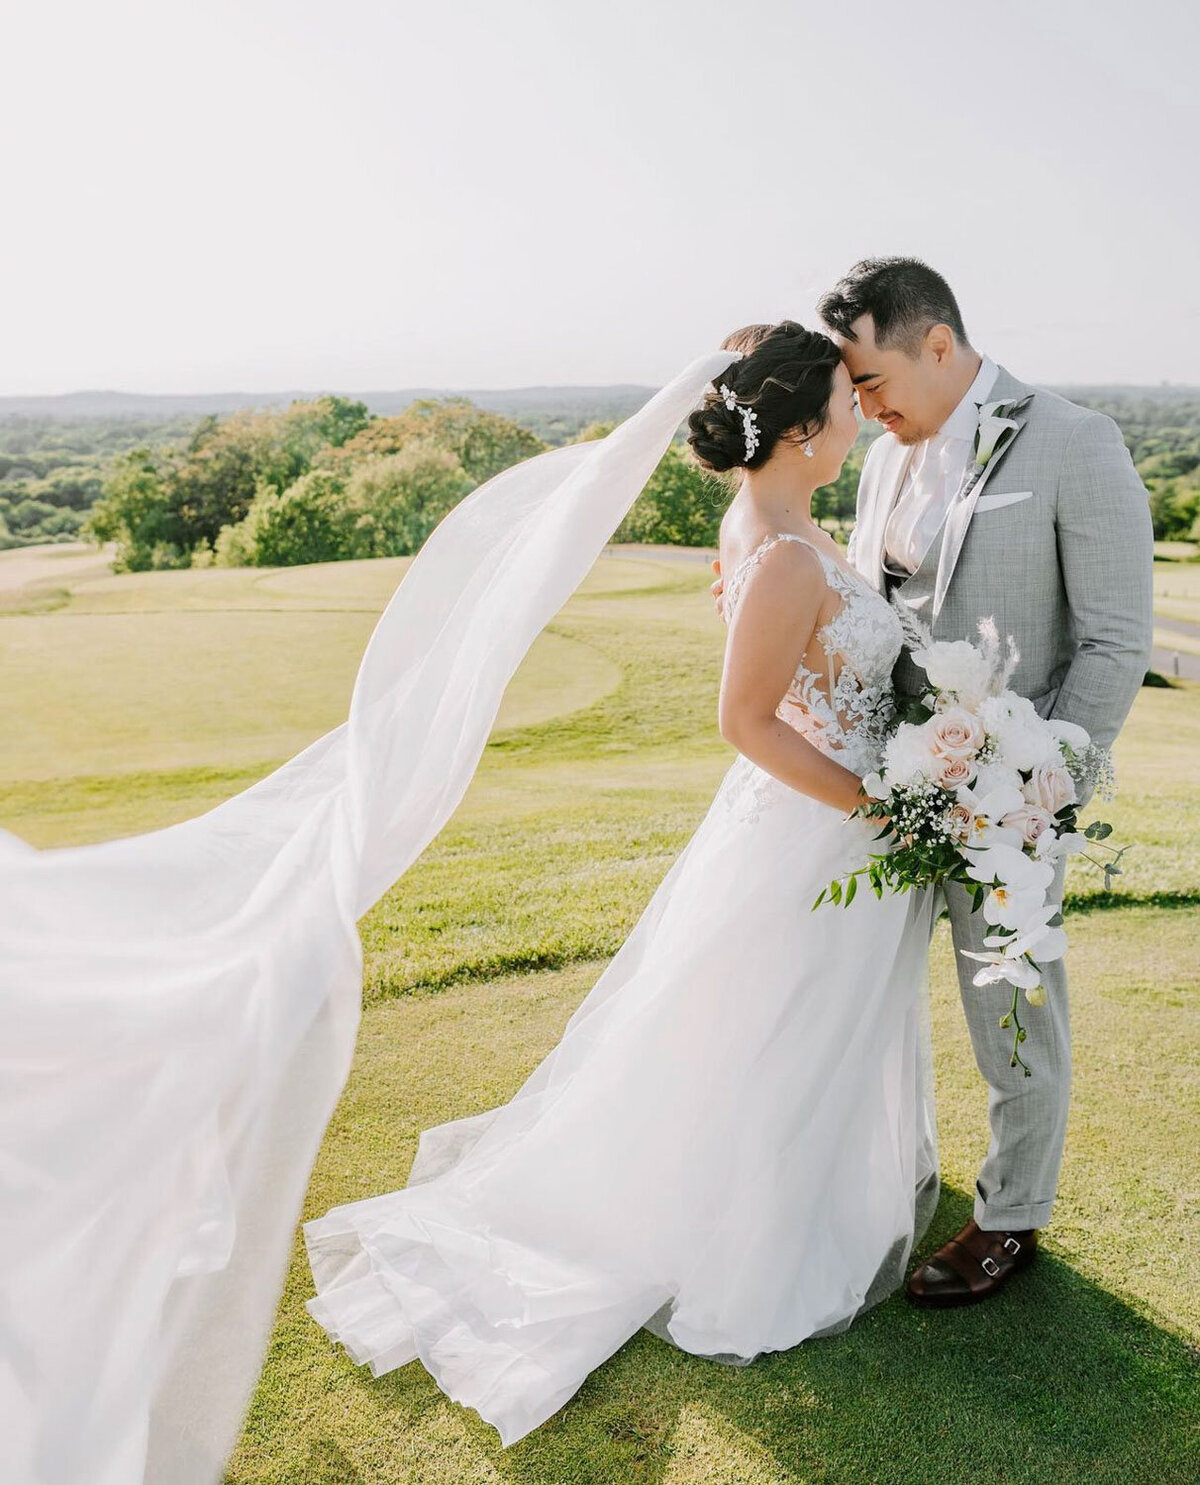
{"x": 995, "y": 1218}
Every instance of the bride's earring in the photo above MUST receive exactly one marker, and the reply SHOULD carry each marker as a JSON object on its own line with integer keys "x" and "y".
{"x": 808, "y": 453}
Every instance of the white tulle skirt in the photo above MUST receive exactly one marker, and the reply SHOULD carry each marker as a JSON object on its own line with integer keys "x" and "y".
{"x": 733, "y": 1144}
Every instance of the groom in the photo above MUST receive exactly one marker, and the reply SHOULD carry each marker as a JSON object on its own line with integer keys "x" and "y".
{"x": 1052, "y": 539}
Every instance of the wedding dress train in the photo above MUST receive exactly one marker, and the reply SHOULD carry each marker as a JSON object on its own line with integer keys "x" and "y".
{"x": 734, "y": 1142}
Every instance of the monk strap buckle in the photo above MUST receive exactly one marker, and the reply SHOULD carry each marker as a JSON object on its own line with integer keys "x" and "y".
{"x": 1012, "y": 1245}
{"x": 989, "y": 1266}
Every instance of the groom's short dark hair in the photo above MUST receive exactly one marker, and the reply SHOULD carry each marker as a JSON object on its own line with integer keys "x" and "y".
{"x": 903, "y": 296}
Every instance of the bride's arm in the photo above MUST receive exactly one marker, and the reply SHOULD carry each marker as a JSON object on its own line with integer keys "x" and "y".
{"x": 770, "y": 632}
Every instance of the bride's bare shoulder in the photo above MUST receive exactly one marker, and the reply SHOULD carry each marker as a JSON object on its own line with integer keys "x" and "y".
{"x": 783, "y": 572}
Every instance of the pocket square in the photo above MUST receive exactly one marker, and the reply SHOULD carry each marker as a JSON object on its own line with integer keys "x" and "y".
{"x": 994, "y": 502}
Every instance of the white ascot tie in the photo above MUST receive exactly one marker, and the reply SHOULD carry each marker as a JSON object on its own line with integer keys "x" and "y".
{"x": 935, "y": 474}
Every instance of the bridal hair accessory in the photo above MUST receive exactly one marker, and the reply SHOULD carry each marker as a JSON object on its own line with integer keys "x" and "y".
{"x": 749, "y": 418}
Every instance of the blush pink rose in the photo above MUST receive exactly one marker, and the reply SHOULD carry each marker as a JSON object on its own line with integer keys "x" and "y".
{"x": 952, "y": 773}
{"x": 1031, "y": 820}
{"x": 955, "y": 733}
{"x": 1050, "y": 787}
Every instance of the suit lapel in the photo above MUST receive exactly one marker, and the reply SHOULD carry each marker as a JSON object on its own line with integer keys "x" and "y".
{"x": 887, "y": 491}
{"x": 958, "y": 519}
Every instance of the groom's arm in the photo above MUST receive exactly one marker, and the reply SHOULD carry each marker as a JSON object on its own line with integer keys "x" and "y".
{"x": 1106, "y": 551}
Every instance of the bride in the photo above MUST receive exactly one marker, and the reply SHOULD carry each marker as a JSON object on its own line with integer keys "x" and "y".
{"x": 733, "y": 1144}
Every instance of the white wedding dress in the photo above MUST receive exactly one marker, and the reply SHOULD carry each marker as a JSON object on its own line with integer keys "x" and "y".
{"x": 733, "y": 1143}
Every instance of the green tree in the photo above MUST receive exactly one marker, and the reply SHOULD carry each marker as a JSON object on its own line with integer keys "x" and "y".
{"x": 483, "y": 442}
{"x": 310, "y": 521}
{"x": 164, "y": 507}
{"x": 29, "y": 513}
{"x": 137, "y": 512}
{"x": 292, "y": 441}
{"x": 680, "y": 505}
{"x": 401, "y": 497}
{"x": 1175, "y": 507}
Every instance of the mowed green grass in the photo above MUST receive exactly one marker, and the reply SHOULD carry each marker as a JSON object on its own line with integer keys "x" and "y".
{"x": 1085, "y": 1369}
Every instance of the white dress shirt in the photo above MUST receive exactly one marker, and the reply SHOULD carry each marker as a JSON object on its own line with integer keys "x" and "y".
{"x": 935, "y": 473}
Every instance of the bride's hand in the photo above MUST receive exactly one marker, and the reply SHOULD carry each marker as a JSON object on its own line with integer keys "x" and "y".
{"x": 717, "y": 589}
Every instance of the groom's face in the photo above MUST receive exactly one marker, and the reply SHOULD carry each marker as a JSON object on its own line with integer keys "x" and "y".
{"x": 905, "y": 392}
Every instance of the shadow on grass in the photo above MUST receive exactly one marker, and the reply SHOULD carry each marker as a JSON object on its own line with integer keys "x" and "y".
{"x": 1053, "y": 1380}
{"x": 329, "y": 1464}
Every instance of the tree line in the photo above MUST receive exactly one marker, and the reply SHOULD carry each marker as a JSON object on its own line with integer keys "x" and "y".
{"x": 1163, "y": 437}
{"x": 325, "y": 479}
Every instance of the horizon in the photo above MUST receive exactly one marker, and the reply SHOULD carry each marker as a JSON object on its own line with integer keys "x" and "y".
{"x": 359, "y": 394}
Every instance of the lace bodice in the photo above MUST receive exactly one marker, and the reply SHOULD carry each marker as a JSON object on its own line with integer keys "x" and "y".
{"x": 845, "y": 708}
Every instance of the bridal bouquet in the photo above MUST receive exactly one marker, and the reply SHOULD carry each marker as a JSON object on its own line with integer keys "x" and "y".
{"x": 979, "y": 789}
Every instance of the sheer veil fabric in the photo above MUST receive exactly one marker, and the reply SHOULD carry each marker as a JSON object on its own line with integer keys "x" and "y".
{"x": 178, "y": 1009}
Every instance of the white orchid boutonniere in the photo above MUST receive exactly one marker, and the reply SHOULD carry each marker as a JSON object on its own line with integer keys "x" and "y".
{"x": 997, "y": 429}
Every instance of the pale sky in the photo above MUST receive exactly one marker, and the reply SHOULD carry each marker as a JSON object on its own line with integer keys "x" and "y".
{"x": 210, "y": 195}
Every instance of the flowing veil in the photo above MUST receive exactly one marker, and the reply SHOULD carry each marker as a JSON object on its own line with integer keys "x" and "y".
{"x": 178, "y": 1009}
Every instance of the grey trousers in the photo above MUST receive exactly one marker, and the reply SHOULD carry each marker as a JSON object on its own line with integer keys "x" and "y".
{"x": 1028, "y": 1115}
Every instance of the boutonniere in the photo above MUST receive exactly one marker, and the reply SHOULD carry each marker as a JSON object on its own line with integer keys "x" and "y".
{"x": 997, "y": 429}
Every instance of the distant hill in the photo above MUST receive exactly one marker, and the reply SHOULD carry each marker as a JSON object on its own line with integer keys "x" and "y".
{"x": 574, "y": 406}
{"x": 1121, "y": 392}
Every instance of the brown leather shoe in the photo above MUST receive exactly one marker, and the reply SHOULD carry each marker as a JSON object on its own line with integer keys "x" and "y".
{"x": 971, "y": 1266}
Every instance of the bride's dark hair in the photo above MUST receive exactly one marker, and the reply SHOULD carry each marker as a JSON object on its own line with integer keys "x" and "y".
{"x": 785, "y": 375}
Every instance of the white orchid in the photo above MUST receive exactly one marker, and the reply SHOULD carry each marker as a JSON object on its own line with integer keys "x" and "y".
{"x": 988, "y": 807}
{"x": 1043, "y": 942}
{"x": 997, "y": 967}
{"x": 1029, "y": 930}
{"x": 1008, "y": 865}
{"x": 1013, "y": 907}
{"x": 1052, "y": 847}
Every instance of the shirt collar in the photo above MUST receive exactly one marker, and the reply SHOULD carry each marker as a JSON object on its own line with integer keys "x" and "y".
{"x": 964, "y": 420}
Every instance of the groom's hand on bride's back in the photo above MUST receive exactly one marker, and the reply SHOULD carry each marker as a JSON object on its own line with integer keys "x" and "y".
{"x": 718, "y": 588}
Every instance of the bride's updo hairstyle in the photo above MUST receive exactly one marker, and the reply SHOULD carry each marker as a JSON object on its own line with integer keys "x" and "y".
{"x": 785, "y": 375}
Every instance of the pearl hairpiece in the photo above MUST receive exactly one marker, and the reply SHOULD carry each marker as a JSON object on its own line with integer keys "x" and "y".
{"x": 749, "y": 418}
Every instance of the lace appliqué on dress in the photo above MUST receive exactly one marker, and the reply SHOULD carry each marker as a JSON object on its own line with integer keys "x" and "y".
{"x": 844, "y": 712}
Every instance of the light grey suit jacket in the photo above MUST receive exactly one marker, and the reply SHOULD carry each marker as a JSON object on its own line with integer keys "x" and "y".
{"x": 1054, "y": 541}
